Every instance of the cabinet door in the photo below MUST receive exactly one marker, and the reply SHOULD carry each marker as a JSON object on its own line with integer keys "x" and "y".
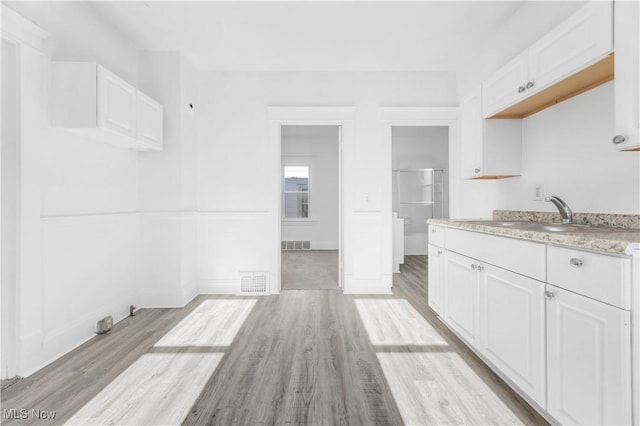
{"x": 506, "y": 86}
{"x": 435, "y": 278}
{"x": 588, "y": 364}
{"x": 512, "y": 328}
{"x": 627, "y": 84}
{"x": 116, "y": 104}
{"x": 579, "y": 41}
{"x": 149, "y": 126}
{"x": 471, "y": 134}
{"x": 461, "y": 295}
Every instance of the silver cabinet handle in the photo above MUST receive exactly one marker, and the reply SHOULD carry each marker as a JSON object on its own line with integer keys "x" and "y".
{"x": 529, "y": 84}
{"x": 618, "y": 139}
{"x": 433, "y": 230}
{"x": 439, "y": 252}
{"x": 480, "y": 268}
{"x": 521, "y": 89}
{"x": 575, "y": 262}
{"x": 477, "y": 170}
{"x": 549, "y": 295}
{"x": 474, "y": 266}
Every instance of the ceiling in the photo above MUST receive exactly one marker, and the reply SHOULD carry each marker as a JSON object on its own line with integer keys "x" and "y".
{"x": 313, "y": 35}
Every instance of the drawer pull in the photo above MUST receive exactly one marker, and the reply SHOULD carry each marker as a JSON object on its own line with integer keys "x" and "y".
{"x": 480, "y": 268}
{"x": 575, "y": 262}
{"x": 474, "y": 266}
{"x": 549, "y": 295}
{"x": 439, "y": 252}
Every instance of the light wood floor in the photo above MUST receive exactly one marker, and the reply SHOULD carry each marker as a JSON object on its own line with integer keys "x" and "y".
{"x": 303, "y": 357}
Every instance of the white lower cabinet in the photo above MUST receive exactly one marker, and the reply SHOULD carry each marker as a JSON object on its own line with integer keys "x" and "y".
{"x": 436, "y": 279}
{"x": 461, "y": 295}
{"x": 588, "y": 360}
{"x": 512, "y": 327}
{"x": 566, "y": 347}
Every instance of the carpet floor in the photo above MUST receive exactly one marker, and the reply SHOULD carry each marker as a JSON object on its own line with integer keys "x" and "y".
{"x": 310, "y": 270}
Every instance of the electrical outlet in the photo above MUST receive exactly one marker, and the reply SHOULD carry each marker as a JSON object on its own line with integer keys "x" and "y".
{"x": 538, "y": 192}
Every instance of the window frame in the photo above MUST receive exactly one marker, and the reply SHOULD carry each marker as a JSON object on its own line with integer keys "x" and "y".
{"x": 307, "y": 192}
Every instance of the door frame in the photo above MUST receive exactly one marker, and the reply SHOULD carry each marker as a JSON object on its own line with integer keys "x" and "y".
{"x": 343, "y": 117}
{"x": 9, "y": 247}
{"x": 28, "y": 39}
{"x": 420, "y": 116}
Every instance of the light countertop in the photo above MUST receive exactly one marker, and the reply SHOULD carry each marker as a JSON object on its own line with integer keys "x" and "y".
{"x": 611, "y": 240}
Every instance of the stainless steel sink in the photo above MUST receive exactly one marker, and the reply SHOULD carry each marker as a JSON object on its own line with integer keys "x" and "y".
{"x": 500, "y": 223}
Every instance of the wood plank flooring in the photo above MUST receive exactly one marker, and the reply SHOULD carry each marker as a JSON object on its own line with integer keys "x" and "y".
{"x": 303, "y": 357}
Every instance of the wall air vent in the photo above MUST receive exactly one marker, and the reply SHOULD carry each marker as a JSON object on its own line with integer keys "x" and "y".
{"x": 295, "y": 245}
{"x": 254, "y": 282}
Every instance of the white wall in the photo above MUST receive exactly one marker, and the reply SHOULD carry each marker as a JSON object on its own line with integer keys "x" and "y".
{"x": 568, "y": 149}
{"x": 168, "y": 185}
{"x": 239, "y": 167}
{"x": 80, "y": 230}
{"x": 316, "y": 146}
{"x": 419, "y": 147}
{"x": 79, "y": 33}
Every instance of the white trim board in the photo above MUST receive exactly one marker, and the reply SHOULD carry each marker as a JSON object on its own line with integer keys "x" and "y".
{"x": 420, "y": 116}
{"x": 342, "y": 116}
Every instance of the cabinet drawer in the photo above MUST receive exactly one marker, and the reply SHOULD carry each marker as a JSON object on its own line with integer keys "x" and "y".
{"x": 436, "y": 235}
{"x": 601, "y": 277}
{"x": 519, "y": 256}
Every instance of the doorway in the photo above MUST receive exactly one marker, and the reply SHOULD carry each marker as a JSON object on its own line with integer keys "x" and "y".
{"x": 9, "y": 156}
{"x": 420, "y": 163}
{"x": 310, "y": 207}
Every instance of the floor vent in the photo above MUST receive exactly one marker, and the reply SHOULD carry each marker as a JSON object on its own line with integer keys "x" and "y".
{"x": 295, "y": 245}
{"x": 254, "y": 282}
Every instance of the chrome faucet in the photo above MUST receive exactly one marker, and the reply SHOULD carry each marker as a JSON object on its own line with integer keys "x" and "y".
{"x": 563, "y": 208}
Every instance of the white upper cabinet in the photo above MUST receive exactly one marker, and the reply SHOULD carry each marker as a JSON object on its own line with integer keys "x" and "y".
{"x": 507, "y": 86}
{"x": 584, "y": 37}
{"x": 490, "y": 148}
{"x": 149, "y": 122}
{"x": 627, "y": 82}
{"x": 570, "y": 59}
{"x": 116, "y": 104}
{"x": 89, "y": 99}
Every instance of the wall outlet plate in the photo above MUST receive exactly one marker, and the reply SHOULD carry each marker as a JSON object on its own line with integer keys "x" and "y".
{"x": 538, "y": 192}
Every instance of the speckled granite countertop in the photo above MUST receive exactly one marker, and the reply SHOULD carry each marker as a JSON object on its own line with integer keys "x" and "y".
{"x": 619, "y": 232}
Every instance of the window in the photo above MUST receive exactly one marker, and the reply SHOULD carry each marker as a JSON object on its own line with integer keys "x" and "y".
{"x": 295, "y": 193}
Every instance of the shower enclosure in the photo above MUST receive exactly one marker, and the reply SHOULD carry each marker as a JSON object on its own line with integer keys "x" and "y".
{"x": 418, "y": 195}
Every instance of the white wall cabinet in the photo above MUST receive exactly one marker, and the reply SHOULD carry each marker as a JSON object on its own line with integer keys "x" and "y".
{"x": 490, "y": 148}
{"x": 627, "y": 81}
{"x": 149, "y": 127}
{"x": 512, "y": 327}
{"x": 584, "y": 38}
{"x": 581, "y": 39}
{"x": 436, "y": 279}
{"x": 589, "y": 366}
{"x": 507, "y": 86}
{"x": 89, "y": 99}
{"x": 116, "y": 107}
